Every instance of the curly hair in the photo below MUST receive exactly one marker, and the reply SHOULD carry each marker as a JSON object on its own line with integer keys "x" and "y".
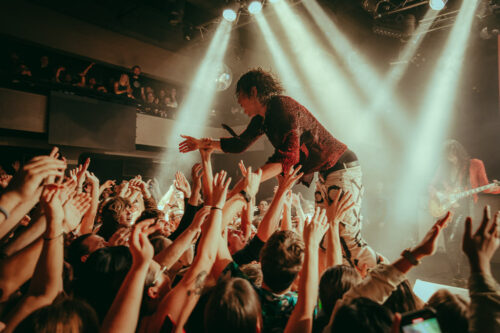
{"x": 265, "y": 83}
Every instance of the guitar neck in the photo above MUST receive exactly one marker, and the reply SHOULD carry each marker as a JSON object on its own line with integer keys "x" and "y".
{"x": 473, "y": 191}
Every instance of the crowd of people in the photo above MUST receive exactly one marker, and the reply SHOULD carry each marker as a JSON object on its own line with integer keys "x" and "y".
{"x": 82, "y": 254}
{"x": 150, "y": 96}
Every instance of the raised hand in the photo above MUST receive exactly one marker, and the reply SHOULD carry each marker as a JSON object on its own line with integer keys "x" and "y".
{"x": 220, "y": 186}
{"x": 196, "y": 174}
{"x": 182, "y": 184}
{"x": 316, "y": 228}
{"x": 189, "y": 144}
{"x": 199, "y": 217}
{"x": 51, "y": 205}
{"x": 28, "y": 180}
{"x": 428, "y": 245}
{"x": 243, "y": 169}
{"x": 140, "y": 247}
{"x": 340, "y": 205}
{"x": 141, "y": 186}
{"x": 80, "y": 173}
{"x": 252, "y": 182}
{"x": 287, "y": 181}
{"x": 481, "y": 246}
{"x": 67, "y": 189}
{"x": 74, "y": 209}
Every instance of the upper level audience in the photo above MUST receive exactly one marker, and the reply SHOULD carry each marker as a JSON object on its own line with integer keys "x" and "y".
{"x": 84, "y": 254}
{"x": 37, "y": 67}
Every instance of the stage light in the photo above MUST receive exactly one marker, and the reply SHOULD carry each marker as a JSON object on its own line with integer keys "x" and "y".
{"x": 273, "y": 1}
{"x": 229, "y": 15}
{"x": 254, "y": 7}
{"x": 437, "y": 4}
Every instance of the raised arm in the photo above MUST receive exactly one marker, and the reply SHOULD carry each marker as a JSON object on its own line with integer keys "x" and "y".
{"x": 123, "y": 315}
{"x": 483, "y": 289}
{"x": 88, "y": 219}
{"x": 335, "y": 212}
{"x": 196, "y": 175}
{"x": 169, "y": 256}
{"x": 180, "y": 301}
{"x": 302, "y": 316}
{"x": 270, "y": 222}
{"x": 24, "y": 189}
{"x": 47, "y": 280}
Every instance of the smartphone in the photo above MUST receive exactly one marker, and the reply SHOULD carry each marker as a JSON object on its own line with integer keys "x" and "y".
{"x": 420, "y": 321}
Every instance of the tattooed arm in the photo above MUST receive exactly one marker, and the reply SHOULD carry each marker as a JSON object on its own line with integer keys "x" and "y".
{"x": 180, "y": 301}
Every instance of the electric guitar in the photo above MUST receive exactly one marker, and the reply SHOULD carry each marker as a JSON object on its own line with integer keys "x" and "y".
{"x": 441, "y": 202}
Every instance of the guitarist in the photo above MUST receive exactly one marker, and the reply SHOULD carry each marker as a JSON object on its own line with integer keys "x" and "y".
{"x": 458, "y": 173}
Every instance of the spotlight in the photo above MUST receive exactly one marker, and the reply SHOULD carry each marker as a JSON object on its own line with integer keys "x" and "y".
{"x": 437, "y": 4}
{"x": 254, "y": 7}
{"x": 229, "y": 15}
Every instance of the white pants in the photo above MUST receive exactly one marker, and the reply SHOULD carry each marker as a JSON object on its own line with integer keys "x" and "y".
{"x": 356, "y": 252}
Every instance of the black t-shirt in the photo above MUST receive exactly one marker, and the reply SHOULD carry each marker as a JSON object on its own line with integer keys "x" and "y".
{"x": 250, "y": 252}
{"x": 136, "y": 83}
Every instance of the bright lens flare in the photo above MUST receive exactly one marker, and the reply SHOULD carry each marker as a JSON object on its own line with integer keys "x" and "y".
{"x": 254, "y": 7}
{"x": 229, "y": 15}
{"x": 437, "y": 4}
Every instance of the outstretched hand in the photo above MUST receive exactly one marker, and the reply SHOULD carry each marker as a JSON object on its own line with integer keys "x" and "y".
{"x": 286, "y": 181}
{"x": 251, "y": 182}
{"x": 182, "y": 184}
{"x": 140, "y": 246}
{"x": 340, "y": 205}
{"x": 29, "y": 179}
{"x": 316, "y": 228}
{"x": 428, "y": 245}
{"x": 189, "y": 144}
{"x": 220, "y": 189}
{"x": 480, "y": 246}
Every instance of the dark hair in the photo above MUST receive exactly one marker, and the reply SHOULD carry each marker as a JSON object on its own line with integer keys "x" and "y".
{"x": 281, "y": 259}
{"x": 253, "y": 272}
{"x": 265, "y": 83}
{"x": 150, "y": 213}
{"x": 402, "y": 299}
{"x": 454, "y": 147}
{"x": 136, "y": 66}
{"x": 334, "y": 282}
{"x": 362, "y": 315}
{"x": 66, "y": 315}
{"x": 160, "y": 243}
{"x": 233, "y": 306}
{"x": 451, "y": 311}
{"x": 102, "y": 275}
{"x": 110, "y": 215}
{"x": 75, "y": 251}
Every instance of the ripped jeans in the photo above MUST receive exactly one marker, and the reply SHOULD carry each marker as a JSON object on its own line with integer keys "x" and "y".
{"x": 356, "y": 251}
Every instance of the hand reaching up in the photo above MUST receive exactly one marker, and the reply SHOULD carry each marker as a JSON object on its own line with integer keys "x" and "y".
{"x": 29, "y": 179}
{"x": 140, "y": 247}
{"x": 481, "y": 246}
{"x": 340, "y": 205}
{"x": 252, "y": 182}
{"x": 286, "y": 182}
{"x": 74, "y": 209}
{"x": 316, "y": 228}
{"x": 182, "y": 184}
{"x": 199, "y": 217}
{"x": 52, "y": 205}
{"x": 220, "y": 187}
{"x": 196, "y": 174}
{"x": 428, "y": 245}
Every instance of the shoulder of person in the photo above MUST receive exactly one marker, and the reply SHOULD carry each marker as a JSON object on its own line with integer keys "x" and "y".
{"x": 476, "y": 163}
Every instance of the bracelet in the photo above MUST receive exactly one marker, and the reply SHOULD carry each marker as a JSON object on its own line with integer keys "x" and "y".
{"x": 410, "y": 257}
{"x": 55, "y": 237}
{"x": 214, "y": 207}
{"x": 4, "y": 212}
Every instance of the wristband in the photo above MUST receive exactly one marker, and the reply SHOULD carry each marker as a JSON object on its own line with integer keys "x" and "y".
{"x": 245, "y": 195}
{"x": 410, "y": 257}
{"x": 4, "y": 212}
{"x": 214, "y": 207}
